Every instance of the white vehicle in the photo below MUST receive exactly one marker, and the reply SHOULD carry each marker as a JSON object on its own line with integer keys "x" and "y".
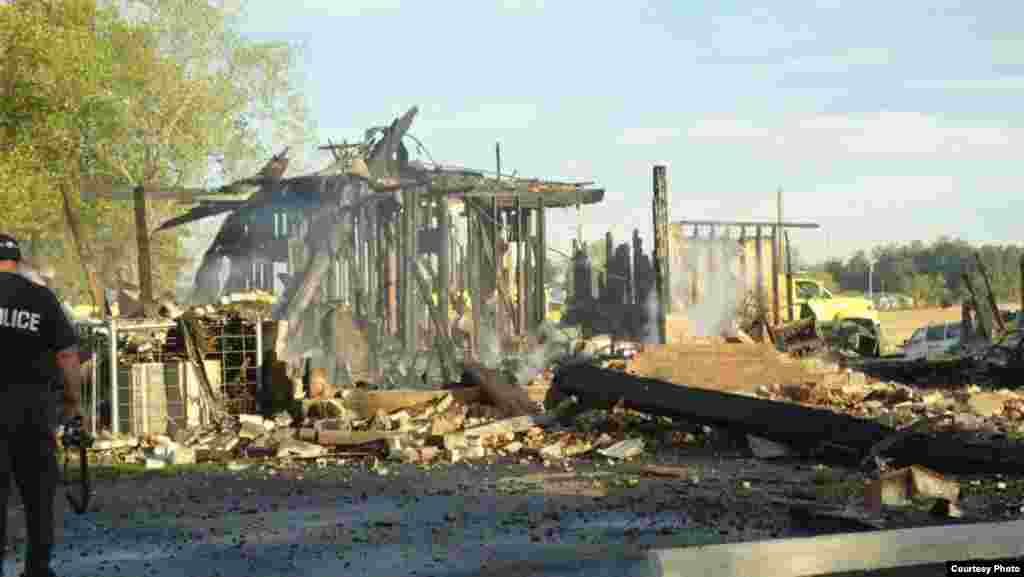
{"x": 931, "y": 342}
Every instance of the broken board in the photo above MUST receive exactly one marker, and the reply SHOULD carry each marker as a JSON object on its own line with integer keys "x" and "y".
{"x": 829, "y": 554}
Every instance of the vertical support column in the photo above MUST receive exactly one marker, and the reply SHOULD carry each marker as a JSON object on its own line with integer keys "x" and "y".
{"x": 471, "y": 269}
{"x": 394, "y": 272}
{"x": 759, "y": 269}
{"x": 444, "y": 263}
{"x": 611, "y": 283}
{"x": 142, "y": 245}
{"x": 638, "y": 296}
{"x": 95, "y": 381}
{"x": 661, "y": 232}
{"x": 540, "y": 256}
{"x": 410, "y": 204}
{"x": 520, "y": 291}
{"x": 776, "y": 257}
{"x": 115, "y": 417}
{"x": 376, "y": 295}
{"x": 259, "y": 357}
{"x": 1020, "y": 320}
{"x": 528, "y": 269}
{"x": 789, "y": 279}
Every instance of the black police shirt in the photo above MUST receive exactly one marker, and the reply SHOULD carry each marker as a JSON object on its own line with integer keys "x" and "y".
{"x": 33, "y": 327}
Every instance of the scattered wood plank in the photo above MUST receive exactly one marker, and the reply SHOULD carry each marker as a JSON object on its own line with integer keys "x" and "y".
{"x": 513, "y": 425}
{"x": 365, "y": 404}
{"x": 830, "y": 554}
{"x": 330, "y": 438}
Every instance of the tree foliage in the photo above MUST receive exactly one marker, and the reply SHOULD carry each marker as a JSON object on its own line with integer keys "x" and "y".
{"x": 932, "y": 273}
{"x": 129, "y": 92}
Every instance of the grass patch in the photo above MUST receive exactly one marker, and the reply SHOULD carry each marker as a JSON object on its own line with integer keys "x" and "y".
{"x": 125, "y": 471}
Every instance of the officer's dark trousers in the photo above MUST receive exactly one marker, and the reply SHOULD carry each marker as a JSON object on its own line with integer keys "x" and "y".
{"x": 28, "y": 454}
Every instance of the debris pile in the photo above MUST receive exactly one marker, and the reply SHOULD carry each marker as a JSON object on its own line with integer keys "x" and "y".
{"x": 899, "y": 405}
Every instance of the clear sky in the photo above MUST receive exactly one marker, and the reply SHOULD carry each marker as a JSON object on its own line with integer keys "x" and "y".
{"x": 882, "y": 121}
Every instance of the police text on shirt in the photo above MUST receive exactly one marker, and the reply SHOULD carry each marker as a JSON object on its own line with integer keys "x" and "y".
{"x": 19, "y": 319}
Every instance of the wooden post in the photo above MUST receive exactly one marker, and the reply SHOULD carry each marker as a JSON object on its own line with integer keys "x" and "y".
{"x": 387, "y": 254}
{"x": 789, "y": 280}
{"x": 540, "y": 261}
{"x": 759, "y": 268}
{"x": 529, "y": 274}
{"x": 444, "y": 264}
{"x": 638, "y": 297}
{"x": 142, "y": 243}
{"x": 1020, "y": 321}
{"x": 497, "y": 261}
{"x": 520, "y": 236}
{"x": 376, "y": 295}
{"x": 609, "y": 268}
{"x": 473, "y": 248}
{"x": 661, "y": 269}
{"x": 407, "y": 282}
{"x": 776, "y": 256}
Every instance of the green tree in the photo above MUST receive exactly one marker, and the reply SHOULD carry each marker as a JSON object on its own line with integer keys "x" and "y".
{"x": 56, "y": 91}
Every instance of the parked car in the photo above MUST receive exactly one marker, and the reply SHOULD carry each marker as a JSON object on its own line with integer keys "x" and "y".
{"x": 932, "y": 342}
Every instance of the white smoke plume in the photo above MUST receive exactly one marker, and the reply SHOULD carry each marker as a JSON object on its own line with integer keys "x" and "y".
{"x": 708, "y": 297}
{"x": 714, "y": 264}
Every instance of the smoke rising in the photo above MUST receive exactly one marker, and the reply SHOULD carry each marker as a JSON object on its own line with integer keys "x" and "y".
{"x": 710, "y": 285}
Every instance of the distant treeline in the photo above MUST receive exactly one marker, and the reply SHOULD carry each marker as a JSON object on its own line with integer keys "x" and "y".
{"x": 930, "y": 273}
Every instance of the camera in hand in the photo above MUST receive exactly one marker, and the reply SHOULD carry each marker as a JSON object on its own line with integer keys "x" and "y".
{"x": 75, "y": 434}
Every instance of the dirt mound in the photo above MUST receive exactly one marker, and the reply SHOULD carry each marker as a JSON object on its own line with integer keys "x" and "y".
{"x": 718, "y": 365}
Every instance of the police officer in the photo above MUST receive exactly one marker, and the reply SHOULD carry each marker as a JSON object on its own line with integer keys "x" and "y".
{"x": 40, "y": 345}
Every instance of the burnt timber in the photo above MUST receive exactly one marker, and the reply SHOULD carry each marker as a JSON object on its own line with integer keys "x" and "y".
{"x": 374, "y": 231}
{"x": 830, "y": 435}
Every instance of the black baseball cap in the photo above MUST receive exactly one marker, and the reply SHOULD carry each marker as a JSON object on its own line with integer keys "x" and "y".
{"x": 9, "y": 248}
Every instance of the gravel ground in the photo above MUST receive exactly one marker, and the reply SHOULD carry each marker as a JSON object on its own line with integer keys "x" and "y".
{"x": 498, "y": 519}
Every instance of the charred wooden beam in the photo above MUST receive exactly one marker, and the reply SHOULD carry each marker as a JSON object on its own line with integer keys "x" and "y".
{"x": 444, "y": 264}
{"x": 472, "y": 271}
{"x": 410, "y": 218}
{"x": 798, "y": 426}
{"x": 795, "y": 425}
{"x": 376, "y": 300}
{"x": 540, "y": 279}
{"x": 789, "y": 280}
{"x": 661, "y": 256}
